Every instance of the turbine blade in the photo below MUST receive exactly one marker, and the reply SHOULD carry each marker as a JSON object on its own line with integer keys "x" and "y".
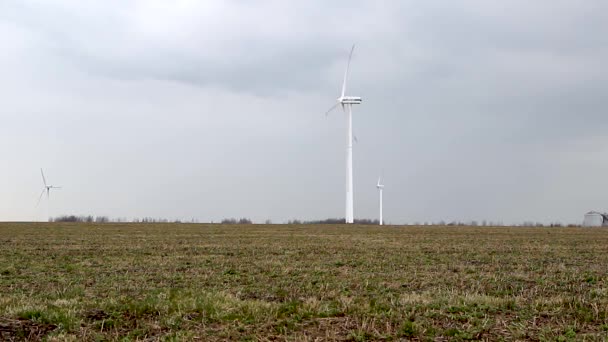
{"x": 43, "y": 179}
{"x": 332, "y": 108}
{"x": 346, "y": 72}
{"x": 40, "y": 198}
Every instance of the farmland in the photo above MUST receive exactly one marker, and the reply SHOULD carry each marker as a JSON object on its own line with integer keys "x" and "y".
{"x": 62, "y": 281}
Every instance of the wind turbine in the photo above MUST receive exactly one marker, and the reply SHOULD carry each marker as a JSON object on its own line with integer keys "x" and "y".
{"x": 380, "y": 188}
{"x": 347, "y": 102}
{"x": 47, "y": 188}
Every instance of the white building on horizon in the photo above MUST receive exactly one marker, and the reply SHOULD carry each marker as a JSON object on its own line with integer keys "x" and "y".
{"x": 595, "y": 219}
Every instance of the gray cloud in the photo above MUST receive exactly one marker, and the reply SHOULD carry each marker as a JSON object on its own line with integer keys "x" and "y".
{"x": 473, "y": 109}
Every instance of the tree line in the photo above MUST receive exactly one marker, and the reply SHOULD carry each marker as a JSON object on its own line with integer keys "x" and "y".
{"x": 244, "y": 220}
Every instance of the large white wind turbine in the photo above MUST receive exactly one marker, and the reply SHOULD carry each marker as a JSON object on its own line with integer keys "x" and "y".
{"x": 347, "y": 103}
{"x": 380, "y": 188}
{"x": 47, "y": 188}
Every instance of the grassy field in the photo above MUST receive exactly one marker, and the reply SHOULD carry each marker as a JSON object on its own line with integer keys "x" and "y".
{"x": 304, "y": 283}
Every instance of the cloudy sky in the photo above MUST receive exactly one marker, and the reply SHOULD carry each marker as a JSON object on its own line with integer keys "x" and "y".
{"x": 473, "y": 109}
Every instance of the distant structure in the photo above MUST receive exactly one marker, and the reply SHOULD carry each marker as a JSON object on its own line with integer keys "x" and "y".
{"x": 47, "y": 188}
{"x": 595, "y": 219}
{"x": 380, "y": 188}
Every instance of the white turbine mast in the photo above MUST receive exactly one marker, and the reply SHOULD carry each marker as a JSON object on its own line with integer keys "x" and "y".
{"x": 380, "y": 188}
{"x": 347, "y": 102}
{"x": 47, "y": 188}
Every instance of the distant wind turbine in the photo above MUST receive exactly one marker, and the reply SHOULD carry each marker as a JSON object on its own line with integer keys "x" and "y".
{"x": 380, "y": 188}
{"x": 47, "y": 188}
{"x": 347, "y": 103}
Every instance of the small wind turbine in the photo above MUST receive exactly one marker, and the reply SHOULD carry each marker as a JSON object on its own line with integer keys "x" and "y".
{"x": 47, "y": 188}
{"x": 380, "y": 187}
{"x": 347, "y": 102}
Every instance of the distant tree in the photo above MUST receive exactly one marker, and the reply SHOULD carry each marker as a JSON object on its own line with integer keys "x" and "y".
{"x": 367, "y": 221}
{"x": 68, "y": 218}
{"x": 101, "y": 219}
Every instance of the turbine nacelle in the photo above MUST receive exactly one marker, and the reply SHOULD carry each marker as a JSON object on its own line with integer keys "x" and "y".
{"x": 349, "y": 100}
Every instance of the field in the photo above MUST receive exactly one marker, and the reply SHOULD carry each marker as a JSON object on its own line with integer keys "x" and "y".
{"x": 303, "y": 283}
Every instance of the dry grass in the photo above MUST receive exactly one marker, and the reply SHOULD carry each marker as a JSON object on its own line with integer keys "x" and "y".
{"x": 305, "y": 283}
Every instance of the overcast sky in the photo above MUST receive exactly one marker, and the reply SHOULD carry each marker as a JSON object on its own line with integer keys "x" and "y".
{"x": 472, "y": 109}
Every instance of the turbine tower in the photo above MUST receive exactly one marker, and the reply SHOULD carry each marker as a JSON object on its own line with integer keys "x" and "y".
{"x": 347, "y": 102}
{"x": 380, "y": 187}
{"x": 47, "y": 188}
